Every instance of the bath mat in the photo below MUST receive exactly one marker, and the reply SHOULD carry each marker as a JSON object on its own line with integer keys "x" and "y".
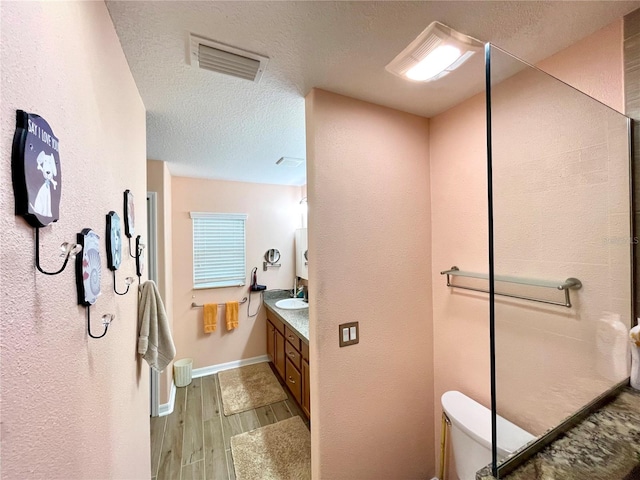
{"x": 280, "y": 451}
{"x": 249, "y": 387}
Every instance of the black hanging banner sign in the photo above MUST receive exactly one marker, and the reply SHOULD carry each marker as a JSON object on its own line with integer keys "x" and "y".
{"x": 36, "y": 172}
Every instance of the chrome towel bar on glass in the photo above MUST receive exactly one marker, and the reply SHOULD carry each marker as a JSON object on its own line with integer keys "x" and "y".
{"x": 568, "y": 284}
{"x": 195, "y": 305}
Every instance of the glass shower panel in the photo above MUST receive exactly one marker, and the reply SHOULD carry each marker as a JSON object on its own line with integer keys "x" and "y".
{"x": 562, "y": 230}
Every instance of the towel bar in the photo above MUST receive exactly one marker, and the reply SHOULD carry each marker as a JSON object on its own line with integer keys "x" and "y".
{"x": 568, "y": 284}
{"x": 195, "y": 305}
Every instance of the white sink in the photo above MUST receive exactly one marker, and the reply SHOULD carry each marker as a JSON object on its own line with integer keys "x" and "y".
{"x": 292, "y": 304}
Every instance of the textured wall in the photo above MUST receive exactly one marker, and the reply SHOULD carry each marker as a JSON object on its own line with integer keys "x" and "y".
{"x": 545, "y": 351}
{"x": 369, "y": 238}
{"x": 593, "y": 65}
{"x": 273, "y": 216}
{"x": 72, "y": 407}
{"x": 458, "y": 161}
{"x": 159, "y": 181}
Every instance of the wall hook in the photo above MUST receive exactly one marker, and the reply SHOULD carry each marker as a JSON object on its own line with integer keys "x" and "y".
{"x": 139, "y": 257}
{"x": 69, "y": 250}
{"x": 127, "y": 281}
{"x": 130, "y": 249}
{"x": 106, "y": 321}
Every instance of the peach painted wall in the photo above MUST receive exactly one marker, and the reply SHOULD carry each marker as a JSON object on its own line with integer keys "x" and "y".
{"x": 459, "y": 237}
{"x": 273, "y": 215}
{"x": 593, "y": 65}
{"x": 459, "y": 212}
{"x": 72, "y": 407}
{"x": 369, "y": 240}
{"x": 159, "y": 181}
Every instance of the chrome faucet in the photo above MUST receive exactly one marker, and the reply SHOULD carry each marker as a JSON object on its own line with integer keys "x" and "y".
{"x": 297, "y": 289}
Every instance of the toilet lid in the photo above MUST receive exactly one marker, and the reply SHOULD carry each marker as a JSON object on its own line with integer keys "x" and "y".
{"x": 475, "y": 420}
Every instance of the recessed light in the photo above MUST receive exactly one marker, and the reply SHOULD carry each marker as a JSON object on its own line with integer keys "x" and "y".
{"x": 437, "y": 51}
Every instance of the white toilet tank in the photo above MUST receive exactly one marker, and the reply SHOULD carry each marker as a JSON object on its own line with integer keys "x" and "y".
{"x": 471, "y": 434}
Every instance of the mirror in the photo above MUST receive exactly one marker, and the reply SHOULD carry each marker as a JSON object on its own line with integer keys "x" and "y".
{"x": 272, "y": 255}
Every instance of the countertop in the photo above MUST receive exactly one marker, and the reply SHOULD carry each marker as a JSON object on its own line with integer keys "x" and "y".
{"x": 297, "y": 320}
{"x": 604, "y": 446}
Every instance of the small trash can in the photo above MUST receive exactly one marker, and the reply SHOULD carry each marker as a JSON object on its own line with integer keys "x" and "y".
{"x": 182, "y": 372}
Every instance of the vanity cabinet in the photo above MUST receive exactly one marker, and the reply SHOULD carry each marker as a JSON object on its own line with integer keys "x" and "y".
{"x": 290, "y": 355}
{"x": 275, "y": 345}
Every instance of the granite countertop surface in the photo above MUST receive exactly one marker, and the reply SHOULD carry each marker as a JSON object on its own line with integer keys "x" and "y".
{"x": 297, "y": 320}
{"x": 604, "y": 446}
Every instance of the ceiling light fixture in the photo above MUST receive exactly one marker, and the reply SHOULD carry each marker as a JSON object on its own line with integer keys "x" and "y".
{"x": 437, "y": 51}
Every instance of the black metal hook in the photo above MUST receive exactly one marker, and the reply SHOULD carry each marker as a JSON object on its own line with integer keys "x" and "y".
{"x": 128, "y": 281}
{"x": 70, "y": 252}
{"x": 139, "y": 258}
{"x": 106, "y": 321}
{"x": 132, "y": 256}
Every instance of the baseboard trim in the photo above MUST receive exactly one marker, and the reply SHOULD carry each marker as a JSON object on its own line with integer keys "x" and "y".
{"x": 167, "y": 408}
{"x": 210, "y": 370}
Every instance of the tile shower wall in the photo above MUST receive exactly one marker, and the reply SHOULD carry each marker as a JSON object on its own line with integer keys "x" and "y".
{"x": 561, "y": 209}
{"x": 632, "y": 109}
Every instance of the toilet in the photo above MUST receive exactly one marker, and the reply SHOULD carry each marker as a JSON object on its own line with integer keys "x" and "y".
{"x": 470, "y": 434}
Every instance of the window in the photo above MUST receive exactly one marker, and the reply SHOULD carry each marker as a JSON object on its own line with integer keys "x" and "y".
{"x": 218, "y": 250}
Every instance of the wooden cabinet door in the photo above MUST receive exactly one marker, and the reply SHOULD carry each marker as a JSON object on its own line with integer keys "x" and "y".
{"x": 271, "y": 338}
{"x": 279, "y": 353}
{"x": 306, "y": 393}
{"x": 294, "y": 381}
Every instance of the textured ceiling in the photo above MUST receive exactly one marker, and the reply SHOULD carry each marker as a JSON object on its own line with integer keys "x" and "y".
{"x": 209, "y": 125}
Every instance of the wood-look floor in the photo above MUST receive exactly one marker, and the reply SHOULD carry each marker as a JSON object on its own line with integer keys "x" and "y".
{"x": 193, "y": 441}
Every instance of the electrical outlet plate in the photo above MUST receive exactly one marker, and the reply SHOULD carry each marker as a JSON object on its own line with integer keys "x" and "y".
{"x": 346, "y": 334}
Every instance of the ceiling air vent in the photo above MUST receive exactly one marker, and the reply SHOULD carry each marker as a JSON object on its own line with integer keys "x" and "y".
{"x": 221, "y": 58}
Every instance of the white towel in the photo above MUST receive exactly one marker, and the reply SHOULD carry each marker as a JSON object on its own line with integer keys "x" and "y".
{"x": 155, "y": 342}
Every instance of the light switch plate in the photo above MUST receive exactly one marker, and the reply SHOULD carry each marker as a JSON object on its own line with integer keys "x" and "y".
{"x": 349, "y": 334}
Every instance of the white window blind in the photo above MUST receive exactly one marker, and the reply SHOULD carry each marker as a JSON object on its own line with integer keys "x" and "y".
{"x": 218, "y": 249}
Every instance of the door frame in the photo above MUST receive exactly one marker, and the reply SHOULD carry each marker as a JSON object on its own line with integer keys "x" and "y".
{"x": 152, "y": 266}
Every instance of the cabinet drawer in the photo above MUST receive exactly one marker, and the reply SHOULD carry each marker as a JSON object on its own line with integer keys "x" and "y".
{"x": 305, "y": 351}
{"x": 293, "y": 338}
{"x": 276, "y": 323}
{"x": 293, "y": 381}
{"x": 292, "y": 354}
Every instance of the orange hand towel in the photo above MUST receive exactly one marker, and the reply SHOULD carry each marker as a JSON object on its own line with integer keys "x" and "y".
{"x": 210, "y": 317}
{"x": 232, "y": 315}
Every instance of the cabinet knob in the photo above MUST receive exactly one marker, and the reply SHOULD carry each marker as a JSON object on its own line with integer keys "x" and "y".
{"x": 290, "y": 337}
{"x": 291, "y": 354}
{"x": 292, "y": 380}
